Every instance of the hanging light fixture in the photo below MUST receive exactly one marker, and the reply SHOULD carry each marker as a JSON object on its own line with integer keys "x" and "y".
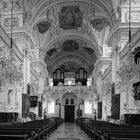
{"x": 129, "y": 21}
{"x": 11, "y": 24}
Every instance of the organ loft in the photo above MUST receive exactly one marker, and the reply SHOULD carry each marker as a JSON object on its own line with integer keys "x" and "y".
{"x": 70, "y": 69}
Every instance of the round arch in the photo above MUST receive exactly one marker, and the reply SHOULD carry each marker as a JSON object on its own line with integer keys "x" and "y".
{"x": 100, "y": 5}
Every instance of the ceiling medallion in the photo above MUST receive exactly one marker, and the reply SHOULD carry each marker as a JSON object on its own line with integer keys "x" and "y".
{"x": 70, "y": 45}
{"x": 70, "y": 17}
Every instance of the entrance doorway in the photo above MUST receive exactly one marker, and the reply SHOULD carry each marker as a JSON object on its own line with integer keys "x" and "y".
{"x": 69, "y": 113}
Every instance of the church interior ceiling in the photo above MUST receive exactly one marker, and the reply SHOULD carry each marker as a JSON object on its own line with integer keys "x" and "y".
{"x": 69, "y": 34}
{"x": 55, "y": 26}
{"x": 71, "y": 56}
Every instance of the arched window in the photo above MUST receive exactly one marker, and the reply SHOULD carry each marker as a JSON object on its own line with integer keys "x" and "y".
{"x": 67, "y": 101}
{"x": 72, "y": 101}
{"x": 88, "y": 107}
{"x": 51, "y": 107}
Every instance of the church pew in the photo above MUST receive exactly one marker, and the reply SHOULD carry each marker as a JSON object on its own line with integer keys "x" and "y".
{"x": 126, "y": 139}
{"x": 114, "y": 135}
{"x": 104, "y": 130}
{"x": 42, "y": 128}
{"x": 15, "y": 137}
{"x": 29, "y": 134}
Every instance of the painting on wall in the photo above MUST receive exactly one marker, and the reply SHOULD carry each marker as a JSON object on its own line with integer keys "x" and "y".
{"x": 25, "y": 105}
{"x": 99, "y": 110}
{"x": 115, "y": 107}
{"x": 40, "y": 108}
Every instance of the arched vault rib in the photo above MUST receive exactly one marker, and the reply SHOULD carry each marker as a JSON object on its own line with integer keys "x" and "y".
{"x": 69, "y": 57}
{"x": 56, "y": 63}
{"x": 93, "y": 43}
{"x": 103, "y": 7}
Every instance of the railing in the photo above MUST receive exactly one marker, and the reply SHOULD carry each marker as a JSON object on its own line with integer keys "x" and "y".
{"x": 68, "y": 88}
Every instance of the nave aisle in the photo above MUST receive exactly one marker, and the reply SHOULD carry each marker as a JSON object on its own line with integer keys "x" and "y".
{"x": 69, "y": 131}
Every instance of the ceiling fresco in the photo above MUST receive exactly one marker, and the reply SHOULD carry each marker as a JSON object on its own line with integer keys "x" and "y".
{"x": 72, "y": 55}
{"x": 70, "y": 17}
{"x": 70, "y": 67}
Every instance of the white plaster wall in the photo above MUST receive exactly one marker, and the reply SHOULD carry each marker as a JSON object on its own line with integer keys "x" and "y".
{"x": 3, "y": 99}
{"x": 99, "y": 85}
{"x": 19, "y": 101}
{"x": 26, "y": 72}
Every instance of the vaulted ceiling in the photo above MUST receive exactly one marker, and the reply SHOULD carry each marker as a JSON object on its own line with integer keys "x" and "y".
{"x": 70, "y": 33}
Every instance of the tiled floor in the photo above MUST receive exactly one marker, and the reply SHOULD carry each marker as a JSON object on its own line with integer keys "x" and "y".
{"x": 69, "y": 131}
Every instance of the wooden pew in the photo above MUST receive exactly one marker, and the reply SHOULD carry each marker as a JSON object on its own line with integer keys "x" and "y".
{"x": 15, "y": 137}
{"x": 107, "y": 131}
{"x": 34, "y": 130}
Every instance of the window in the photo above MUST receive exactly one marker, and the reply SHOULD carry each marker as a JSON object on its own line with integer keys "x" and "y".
{"x": 136, "y": 90}
{"x": 89, "y": 81}
{"x": 138, "y": 61}
{"x": 51, "y": 106}
{"x": 51, "y": 82}
{"x": 67, "y": 101}
{"x": 88, "y": 107}
{"x": 72, "y": 101}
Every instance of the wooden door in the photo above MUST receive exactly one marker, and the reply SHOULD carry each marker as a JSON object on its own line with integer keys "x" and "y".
{"x": 69, "y": 113}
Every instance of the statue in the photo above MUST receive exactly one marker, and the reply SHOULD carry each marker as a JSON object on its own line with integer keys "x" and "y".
{"x": 10, "y": 97}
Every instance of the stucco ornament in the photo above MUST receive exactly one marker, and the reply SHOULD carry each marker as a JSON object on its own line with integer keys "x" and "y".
{"x": 8, "y": 68}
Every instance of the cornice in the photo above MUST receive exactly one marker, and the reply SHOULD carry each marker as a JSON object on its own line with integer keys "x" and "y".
{"x": 118, "y": 30}
{"x": 26, "y": 36}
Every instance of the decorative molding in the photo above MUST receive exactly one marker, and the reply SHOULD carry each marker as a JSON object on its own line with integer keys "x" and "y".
{"x": 17, "y": 6}
{"x": 80, "y": 91}
{"x": 15, "y": 22}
